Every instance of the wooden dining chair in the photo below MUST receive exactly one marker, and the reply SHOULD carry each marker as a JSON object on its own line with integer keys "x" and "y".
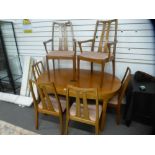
{"x": 63, "y": 45}
{"x": 116, "y": 101}
{"x": 103, "y": 46}
{"x": 47, "y": 103}
{"x": 81, "y": 110}
{"x": 37, "y": 69}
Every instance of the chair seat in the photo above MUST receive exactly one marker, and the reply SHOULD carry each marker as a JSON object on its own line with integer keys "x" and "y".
{"x": 95, "y": 55}
{"x": 92, "y": 111}
{"x": 60, "y": 54}
{"x": 114, "y": 100}
{"x": 55, "y": 103}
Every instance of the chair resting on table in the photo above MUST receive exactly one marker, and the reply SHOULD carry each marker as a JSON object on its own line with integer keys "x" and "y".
{"x": 66, "y": 49}
{"x": 105, "y": 48}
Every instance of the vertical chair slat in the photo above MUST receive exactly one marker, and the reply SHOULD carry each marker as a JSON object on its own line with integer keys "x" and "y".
{"x": 102, "y": 37}
{"x": 95, "y": 32}
{"x": 78, "y": 106}
{"x": 43, "y": 101}
{"x": 47, "y": 99}
{"x": 85, "y": 106}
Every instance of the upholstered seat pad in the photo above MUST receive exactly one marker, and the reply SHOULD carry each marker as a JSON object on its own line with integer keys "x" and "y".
{"x": 92, "y": 111}
{"x": 114, "y": 100}
{"x": 61, "y": 54}
{"x": 95, "y": 55}
{"x": 55, "y": 103}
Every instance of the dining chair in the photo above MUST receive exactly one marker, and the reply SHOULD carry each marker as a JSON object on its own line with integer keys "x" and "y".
{"x": 103, "y": 46}
{"x": 47, "y": 103}
{"x": 37, "y": 69}
{"x": 63, "y": 45}
{"x": 81, "y": 110}
{"x": 116, "y": 101}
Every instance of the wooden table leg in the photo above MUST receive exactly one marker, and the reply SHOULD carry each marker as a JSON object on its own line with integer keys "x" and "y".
{"x": 103, "y": 117}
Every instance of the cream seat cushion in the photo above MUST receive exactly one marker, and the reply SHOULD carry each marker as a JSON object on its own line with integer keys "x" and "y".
{"x": 60, "y": 54}
{"x": 55, "y": 103}
{"x": 95, "y": 55}
{"x": 92, "y": 111}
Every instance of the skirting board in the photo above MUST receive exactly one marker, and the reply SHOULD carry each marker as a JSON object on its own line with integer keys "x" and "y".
{"x": 17, "y": 99}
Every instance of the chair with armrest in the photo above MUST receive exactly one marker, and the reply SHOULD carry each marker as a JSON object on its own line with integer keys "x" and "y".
{"x": 47, "y": 103}
{"x": 63, "y": 45}
{"x": 81, "y": 110}
{"x": 116, "y": 101}
{"x": 103, "y": 46}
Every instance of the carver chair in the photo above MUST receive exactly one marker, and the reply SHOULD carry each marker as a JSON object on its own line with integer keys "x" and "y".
{"x": 63, "y": 45}
{"x": 81, "y": 110}
{"x": 47, "y": 103}
{"x": 38, "y": 69}
{"x": 116, "y": 101}
{"x": 103, "y": 46}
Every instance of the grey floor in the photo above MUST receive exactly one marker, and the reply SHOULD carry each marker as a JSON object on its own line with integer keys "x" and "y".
{"x": 24, "y": 117}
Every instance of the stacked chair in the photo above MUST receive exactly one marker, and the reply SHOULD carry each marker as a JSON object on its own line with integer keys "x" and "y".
{"x": 105, "y": 39}
{"x": 63, "y": 45}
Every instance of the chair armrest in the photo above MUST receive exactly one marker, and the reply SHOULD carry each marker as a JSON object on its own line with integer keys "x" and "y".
{"x": 45, "y": 43}
{"x": 85, "y": 41}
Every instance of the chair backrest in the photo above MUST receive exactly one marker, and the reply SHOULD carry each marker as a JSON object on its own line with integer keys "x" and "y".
{"x": 124, "y": 84}
{"x": 35, "y": 96}
{"x": 45, "y": 92}
{"x": 37, "y": 69}
{"x": 105, "y": 32}
{"x": 63, "y": 36}
{"x": 82, "y": 100}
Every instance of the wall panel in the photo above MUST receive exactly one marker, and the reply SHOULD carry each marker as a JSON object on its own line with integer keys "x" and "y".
{"x": 135, "y": 47}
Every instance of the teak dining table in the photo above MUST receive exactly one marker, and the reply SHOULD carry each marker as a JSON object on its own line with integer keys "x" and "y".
{"x": 63, "y": 77}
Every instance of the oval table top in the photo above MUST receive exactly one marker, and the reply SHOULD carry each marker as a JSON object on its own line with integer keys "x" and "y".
{"x": 63, "y": 77}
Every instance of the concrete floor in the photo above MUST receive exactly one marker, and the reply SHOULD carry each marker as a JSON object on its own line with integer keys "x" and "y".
{"x": 48, "y": 125}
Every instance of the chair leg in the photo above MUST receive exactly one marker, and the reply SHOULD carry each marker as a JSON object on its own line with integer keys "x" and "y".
{"x": 53, "y": 65}
{"x": 103, "y": 118}
{"x": 36, "y": 119}
{"x": 97, "y": 128}
{"x": 74, "y": 69}
{"x": 103, "y": 115}
{"x": 67, "y": 124}
{"x": 48, "y": 72}
{"x": 78, "y": 67}
{"x": 91, "y": 67}
{"x": 61, "y": 124}
{"x": 113, "y": 67}
{"x": 118, "y": 115}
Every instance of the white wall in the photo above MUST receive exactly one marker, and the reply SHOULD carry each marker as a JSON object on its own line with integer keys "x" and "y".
{"x": 135, "y": 47}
